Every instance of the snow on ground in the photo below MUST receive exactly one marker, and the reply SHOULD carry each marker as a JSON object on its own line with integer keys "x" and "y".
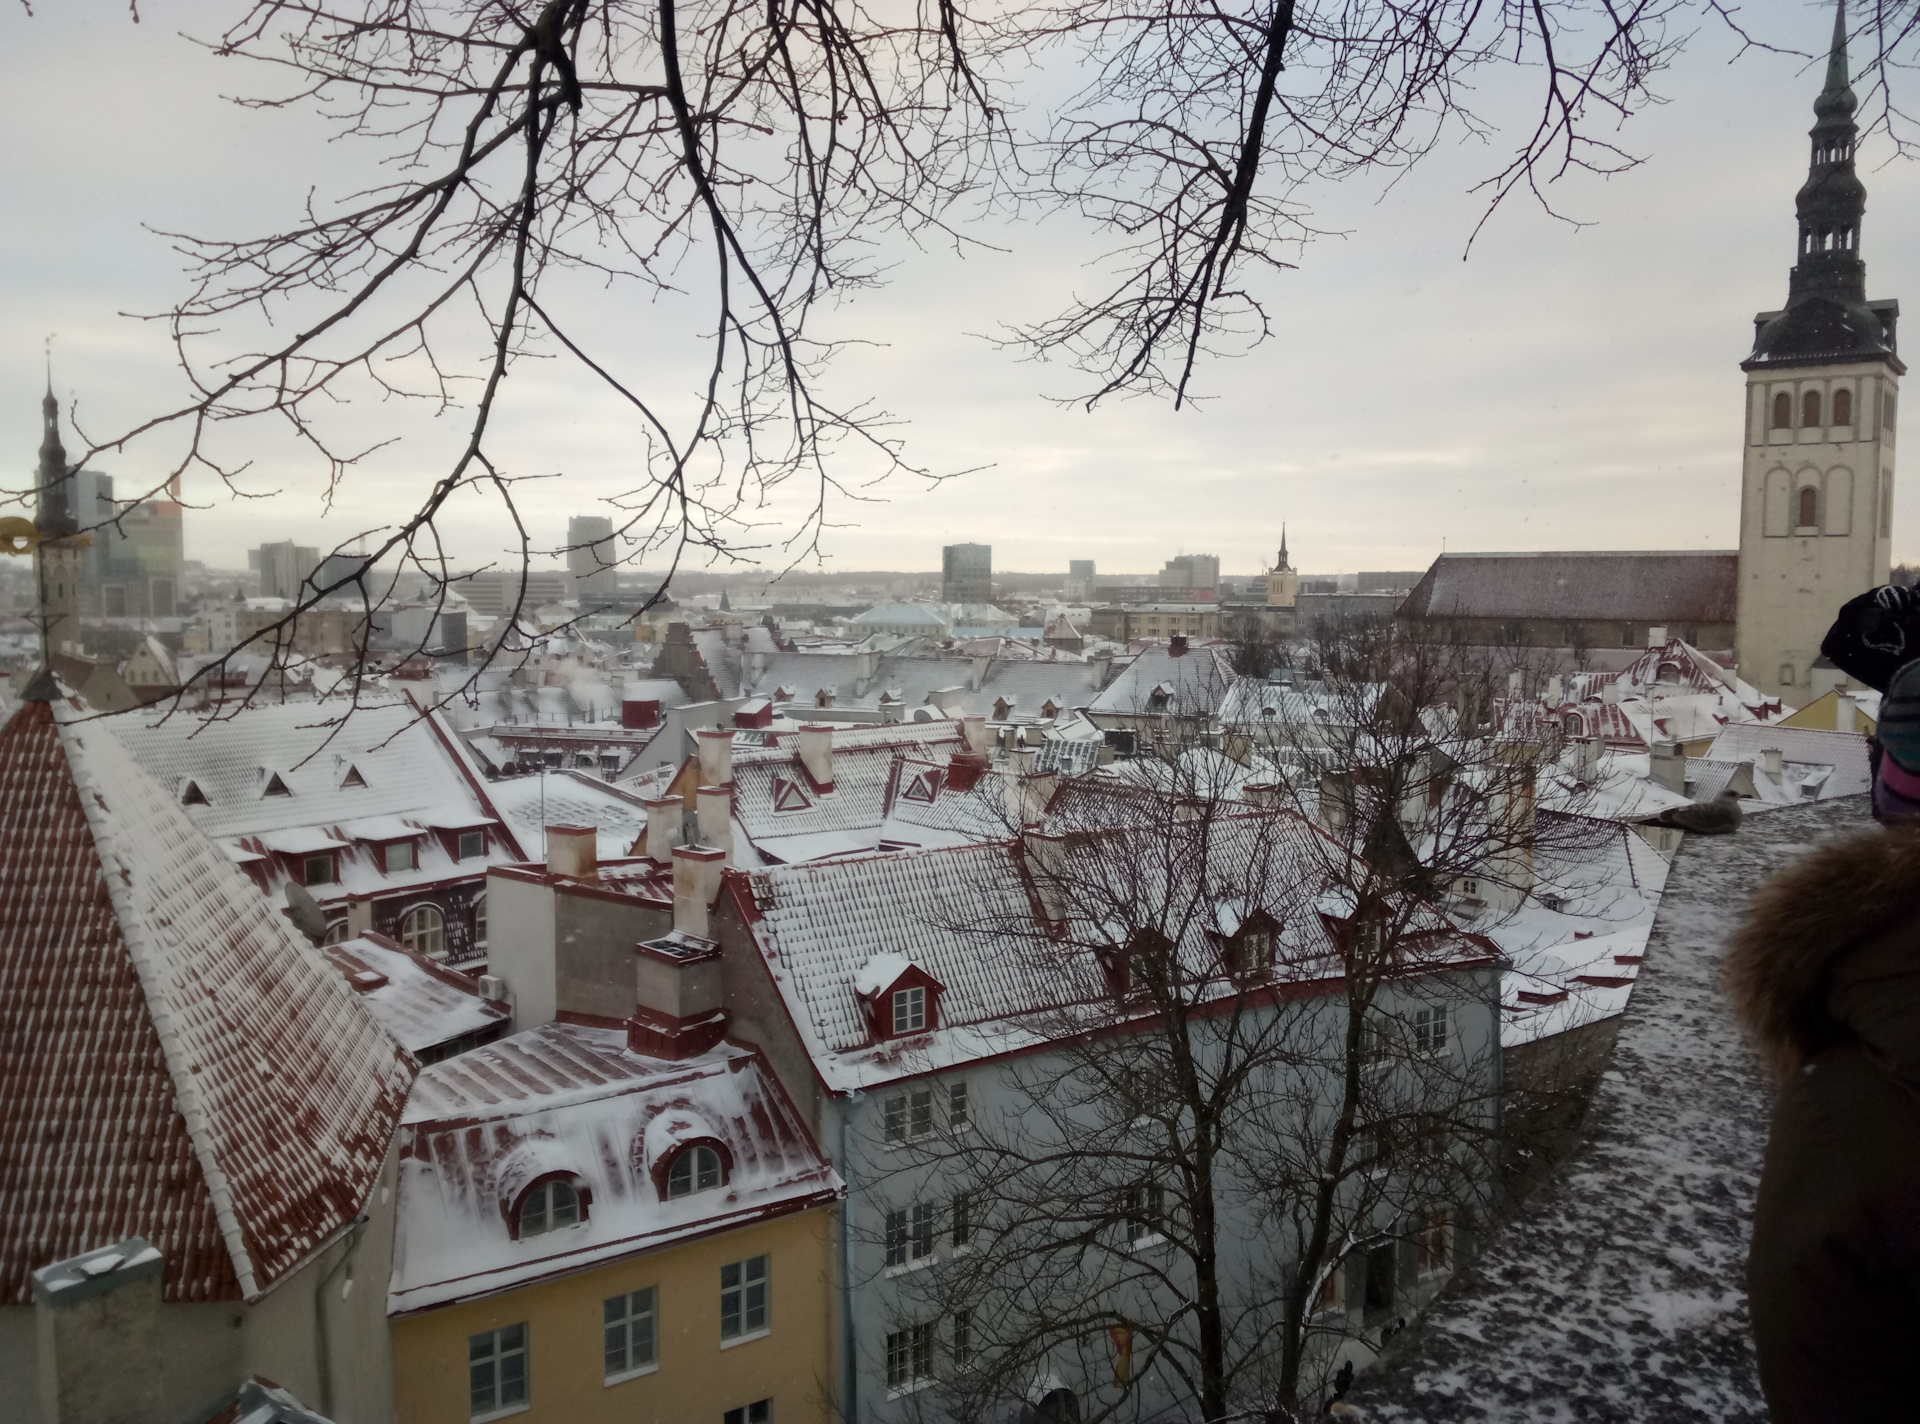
{"x": 1618, "y": 1294}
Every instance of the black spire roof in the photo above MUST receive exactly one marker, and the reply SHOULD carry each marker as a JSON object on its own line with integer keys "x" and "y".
{"x": 1828, "y": 317}
{"x": 55, "y": 516}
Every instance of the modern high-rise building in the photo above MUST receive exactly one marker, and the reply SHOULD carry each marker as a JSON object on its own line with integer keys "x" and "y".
{"x": 966, "y": 573}
{"x": 284, "y": 568}
{"x": 1816, "y": 498}
{"x": 1191, "y": 571}
{"x": 592, "y": 560}
{"x": 1079, "y": 577}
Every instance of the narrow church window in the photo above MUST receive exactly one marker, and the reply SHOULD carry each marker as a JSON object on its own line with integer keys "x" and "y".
{"x": 1810, "y": 408}
{"x": 1782, "y": 411}
{"x": 1809, "y": 507}
{"x": 1843, "y": 407}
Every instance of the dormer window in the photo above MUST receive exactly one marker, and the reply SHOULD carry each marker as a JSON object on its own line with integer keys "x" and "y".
{"x": 473, "y": 845}
{"x": 192, "y": 795}
{"x": 276, "y": 786}
{"x": 910, "y": 1009}
{"x": 788, "y": 796}
{"x": 398, "y": 856}
{"x": 549, "y": 1206}
{"x": 697, "y": 1169}
{"x": 317, "y": 870}
{"x": 352, "y": 778}
{"x": 1000, "y": 709}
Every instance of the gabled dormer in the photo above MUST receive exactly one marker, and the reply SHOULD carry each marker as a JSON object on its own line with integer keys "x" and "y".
{"x": 191, "y": 794}
{"x": 273, "y": 783}
{"x": 789, "y": 795}
{"x": 900, "y": 999}
{"x": 1249, "y": 943}
{"x": 352, "y": 779}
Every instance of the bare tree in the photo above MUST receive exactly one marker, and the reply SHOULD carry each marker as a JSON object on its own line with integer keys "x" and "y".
{"x": 1268, "y": 1101}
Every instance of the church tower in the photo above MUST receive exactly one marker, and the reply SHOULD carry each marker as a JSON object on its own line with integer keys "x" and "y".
{"x": 1283, "y": 584}
{"x": 1816, "y": 501}
{"x": 60, "y": 555}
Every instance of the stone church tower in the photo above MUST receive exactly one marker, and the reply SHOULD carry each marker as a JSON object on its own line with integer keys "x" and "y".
{"x": 60, "y": 556}
{"x": 1816, "y": 502}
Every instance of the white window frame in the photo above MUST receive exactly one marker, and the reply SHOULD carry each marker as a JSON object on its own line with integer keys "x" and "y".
{"x": 959, "y": 1106}
{"x": 410, "y": 859}
{"x": 543, "y": 1206}
{"x": 632, "y": 1312}
{"x": 1431, "y": 1036}
{"x": 907, "y": 1116}
{"x": 480, "y": 922}
{"x": 694, "y": 1160}
{"x": 911, "y": 1353}
{"x": 909, "y": 1007}
{"x": 498, "y": 1353}
{"x": 747, "y": 1291}
{"x": 430, "y": 941}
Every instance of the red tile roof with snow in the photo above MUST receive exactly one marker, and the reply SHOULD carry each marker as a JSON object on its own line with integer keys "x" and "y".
{"x": 174, "y": 1064}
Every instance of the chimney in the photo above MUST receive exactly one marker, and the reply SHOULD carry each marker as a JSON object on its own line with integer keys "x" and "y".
{"x": 1046, "y": 857}
{"x": 665, "y": 815}
{"x": 1022, "y": 761}
{"x": 974, "y": 734}
{"x": 1775, "y": 762}
{"x": 100, "y": 1353}
{"x": 1265, "y": 795}
{"x": 1177, "y": 645}
{"x": 679, "y": 998}
{"x": 1101, "y": 666}
{"x": 1515, "y": 683}
{"x": 816, "y": 755}
{"x": 1336, "y": 800}
{"x": 573, "y": 851}
{"x": 964, "y": 770}
{"x": 1843, "y": 713}
{"x": 1667, "y": 765}
{"x": 1587, "y": 752}
{"x": 891, "y": 711}
{"x": 1610, "y": 693}
{"x": 638, "y": 711}
{"x": 1656, "y": 637}
{"x": 716, "y": 755}
{"x": 695, "y": 877}
{"x": 977, "y": 673}
{"x": 1556, "y": 691}
{"x": 716, "y": 819}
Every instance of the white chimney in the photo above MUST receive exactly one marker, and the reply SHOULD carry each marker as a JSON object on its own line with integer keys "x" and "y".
{"x": 1610, "y": 693}
{"x": 1667, "y": 765}
{"x": 716, "y": 756}
{"x": 573, "y": 851}
{"x": 977, "y": 674}
{"x": 1656, "y": 637}
{"x": 974, "y": 731}
{"x": 1556, "y": 691}
{"x": 664, "y": 817}
{"x": 716, "y": 819}
{"x": 1843, "y": 713}
{"x": 1046, "y": 860}
{"x": 1586, "y": 758}
{"x": 1775, "y": 762}
{"x": 816, "y": 755}
{"x": 1514, "y": 683}
{"x": 695, "y": 878}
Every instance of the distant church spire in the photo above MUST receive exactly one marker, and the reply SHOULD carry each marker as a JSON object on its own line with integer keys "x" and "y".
{"x": 55, "y": 515}
{"x": 1283, "y": 566}
{"x": 1827, "y": 316}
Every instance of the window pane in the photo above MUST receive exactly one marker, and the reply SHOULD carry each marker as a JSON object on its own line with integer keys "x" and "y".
{"x": 962, "y": 1220}
{"x": 921, "y": 1122}
{"x": 480, "y": 1387}
{"x": 959, "y": 1106}
{"x": 895, "y": 1109}
{"x": 922, "y": 1231}
{"x": 708, "y": 1163}
{"x": 680, "y": 1176}
{"x": 896, "y": 1238}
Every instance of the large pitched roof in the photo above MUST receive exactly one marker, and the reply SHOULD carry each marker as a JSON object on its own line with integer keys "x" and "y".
{"x": 1671, "y": 587}
{"x": 173, "y": 1063}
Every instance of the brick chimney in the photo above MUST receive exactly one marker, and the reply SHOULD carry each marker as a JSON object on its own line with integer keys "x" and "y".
{"x": 665, "y": 815}
{"x": 573, "y": 851}
{"x": 716, "y": 755}
{"x": 638, "y": 713}
{"x": 696, "y": 876}
{"x": 679, "y": 993}
{"x": 716, "y": 819}
{"x": 1177, "y": 645}
{"x": 816, "y": 755}
{"x": 973, "y": 732}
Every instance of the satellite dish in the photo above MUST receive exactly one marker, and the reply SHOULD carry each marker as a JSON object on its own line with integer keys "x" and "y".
{"x": 305, "y": 912}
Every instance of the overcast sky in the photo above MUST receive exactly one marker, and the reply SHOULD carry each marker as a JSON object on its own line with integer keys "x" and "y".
{"x": 1564, "y": 388}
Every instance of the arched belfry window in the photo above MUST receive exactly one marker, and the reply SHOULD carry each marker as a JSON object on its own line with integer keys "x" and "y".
{"x": 1810, "y": 408}
{"x": 1809, "y": 510}
{"x": 1782, "y": 411}
{"x": 1843, "y": 407}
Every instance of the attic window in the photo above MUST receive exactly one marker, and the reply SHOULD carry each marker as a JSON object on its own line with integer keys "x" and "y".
{"x": 276, "y": 787}
{"x": 399, "y": 856}
{"x": 823, "y": 698}
{"x": 193, "y": 795}
{"x": 352, "y": 778}
{"x": 787, "y": 795}
{"x": 1000, "y": 709}
{"x": 910, "y": 1009}
{"x": 920, "y": 788}
{"x": 696, "y": 1169}
{"x": 548, "y": 1207}
{"x": 1049, "y": 708}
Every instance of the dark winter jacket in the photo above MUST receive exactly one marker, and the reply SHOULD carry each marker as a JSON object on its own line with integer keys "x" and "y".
{"x": 1826, "y": 976}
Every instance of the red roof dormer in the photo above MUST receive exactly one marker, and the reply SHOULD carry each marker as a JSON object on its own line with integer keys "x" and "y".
{"x": 900, "y": 998}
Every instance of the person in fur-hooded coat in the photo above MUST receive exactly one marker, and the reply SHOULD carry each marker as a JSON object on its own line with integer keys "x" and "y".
{"x": 1825, "y": 974}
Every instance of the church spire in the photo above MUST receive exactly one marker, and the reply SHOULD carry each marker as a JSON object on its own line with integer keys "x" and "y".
{"x": 55, "y": 515}
{"x": 1827, "y": 316}
{"x": 1283, "y": 566}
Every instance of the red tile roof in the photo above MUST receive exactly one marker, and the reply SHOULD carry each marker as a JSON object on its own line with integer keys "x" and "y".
{"x": 173, "y": 1063}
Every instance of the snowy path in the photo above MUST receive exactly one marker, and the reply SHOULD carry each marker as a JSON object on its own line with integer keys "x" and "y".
{"x": 1618, "y": 1295}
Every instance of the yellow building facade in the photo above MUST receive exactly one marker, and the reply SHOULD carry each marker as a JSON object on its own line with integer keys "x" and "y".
{"x": 780, "y": 1374}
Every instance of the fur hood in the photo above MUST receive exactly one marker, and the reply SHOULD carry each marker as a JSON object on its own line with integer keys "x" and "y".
{"x": 1830, "y": 954}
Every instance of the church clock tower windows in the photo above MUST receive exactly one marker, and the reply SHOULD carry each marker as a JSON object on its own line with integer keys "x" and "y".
{"x": 1816, "y": 507}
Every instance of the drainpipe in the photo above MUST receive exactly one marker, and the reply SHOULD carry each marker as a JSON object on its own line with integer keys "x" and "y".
{"x": 850, "y": 1388}
{"x": 322, "y": 1343}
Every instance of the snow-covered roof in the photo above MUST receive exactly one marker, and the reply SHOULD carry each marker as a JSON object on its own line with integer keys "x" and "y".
{"x": 571, "y": 1098}
{"x": 419, "y": 1003}
{"x": 210, "y": 1083}
{"x": 1818, "y": 765}
{"x": 569, "y": 798}
{"x": 1159, "y": 682}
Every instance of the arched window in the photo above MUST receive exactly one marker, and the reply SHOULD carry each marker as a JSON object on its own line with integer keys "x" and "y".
{"x": 480, "y": 923}
{"x": 548, "y": 1207}
{"x": 1782, "y": 411}
{"x": 337, "y": 933}
{"x": 425, "y": 929}
{"x": 1843, "y": 407}
{"x": 1809, "y": 507}
{"x": 1810, "y": 408}
{"x": 697, "y": 1169}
